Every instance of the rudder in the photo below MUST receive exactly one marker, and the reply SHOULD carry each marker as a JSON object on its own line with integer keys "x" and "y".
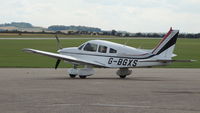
{"x": 166, "y": 46}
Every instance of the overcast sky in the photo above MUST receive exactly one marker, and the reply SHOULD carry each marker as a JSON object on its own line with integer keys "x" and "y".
{"x": 124, "y": 15}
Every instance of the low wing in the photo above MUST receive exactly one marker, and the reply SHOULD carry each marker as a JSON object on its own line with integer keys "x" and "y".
{"x": 64, "y": 57}
{"x": 167, "y": 61}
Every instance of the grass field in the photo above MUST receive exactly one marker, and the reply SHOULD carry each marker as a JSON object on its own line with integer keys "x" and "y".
{"x": 12, "y": 56}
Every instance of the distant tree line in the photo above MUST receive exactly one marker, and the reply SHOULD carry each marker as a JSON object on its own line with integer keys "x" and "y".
{"x": 108, "y": 33}
{"x": 84, "y": 30}
{"x": 73, "y": 28}
{"x": 148, "y": 35}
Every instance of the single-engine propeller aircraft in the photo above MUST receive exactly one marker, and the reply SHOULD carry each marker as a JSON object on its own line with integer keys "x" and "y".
{"x": 105, "y": 54}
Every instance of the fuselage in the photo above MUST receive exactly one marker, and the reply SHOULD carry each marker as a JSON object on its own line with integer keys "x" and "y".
{"x": 111, "y": 55}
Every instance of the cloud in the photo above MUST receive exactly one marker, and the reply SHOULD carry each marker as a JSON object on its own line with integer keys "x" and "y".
{"x": 126, "y": 15}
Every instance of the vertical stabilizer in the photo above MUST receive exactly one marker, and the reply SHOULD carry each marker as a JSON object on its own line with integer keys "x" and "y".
{"x": 166, "y": 46}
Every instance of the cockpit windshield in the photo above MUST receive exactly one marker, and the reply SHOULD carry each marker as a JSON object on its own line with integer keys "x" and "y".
{"x": 80, "y": 47}
{"x": 90, "y": 47}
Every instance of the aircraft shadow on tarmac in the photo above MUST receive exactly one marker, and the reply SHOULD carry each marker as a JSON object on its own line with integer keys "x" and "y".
{"x": 107, "y": 78}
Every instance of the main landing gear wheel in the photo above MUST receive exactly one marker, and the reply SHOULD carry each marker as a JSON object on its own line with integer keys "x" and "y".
{"x": 82, "y": 77}
{"x": 122, "y": 76}
{"x": 72, "y": 75}
{"x": 123, "y": 72}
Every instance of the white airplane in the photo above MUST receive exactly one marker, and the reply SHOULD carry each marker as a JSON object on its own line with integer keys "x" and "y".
{"x": 105, "y": 54}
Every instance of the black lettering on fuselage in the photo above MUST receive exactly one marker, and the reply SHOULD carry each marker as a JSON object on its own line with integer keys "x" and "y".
{"x": 110, "y": 61}
{"x": 123, "y": 62}
{"x": 120, "y": 61}
{"x": 134, "y": 63}
{"x": 130, "y": 62}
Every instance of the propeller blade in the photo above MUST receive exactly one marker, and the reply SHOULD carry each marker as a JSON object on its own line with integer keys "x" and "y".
{"x": 58, "y": 42}
{"x": 57, "y": 63}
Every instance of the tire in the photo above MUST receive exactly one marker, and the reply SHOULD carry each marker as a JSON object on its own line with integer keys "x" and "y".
{"x": 72, "y": 75}
{"x": 122, "y": 76}
{"x": 82, "y": 77}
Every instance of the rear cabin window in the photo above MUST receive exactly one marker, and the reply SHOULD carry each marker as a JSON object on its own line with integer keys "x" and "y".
{"x": 112, "y": 50}
{"x": 90, "y": 47}
{"x": 102, "y": 49}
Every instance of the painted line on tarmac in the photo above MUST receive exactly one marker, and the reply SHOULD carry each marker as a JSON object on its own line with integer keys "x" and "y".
{"x": 102, "y": 105}
{"x": 119, "y": 105}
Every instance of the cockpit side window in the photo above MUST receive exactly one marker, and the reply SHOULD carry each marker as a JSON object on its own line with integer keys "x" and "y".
{"x": 81, "y": 46}
{"x": 90, "y": 47}
{"x": 112, "y": 50}
{"x": 102, "y": 49}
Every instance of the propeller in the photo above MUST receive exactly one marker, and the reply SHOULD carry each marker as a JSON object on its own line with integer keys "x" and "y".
{"x": 58, "y": 42}
{"x": 59, "y": 47}
{"x": 57, "y": 63}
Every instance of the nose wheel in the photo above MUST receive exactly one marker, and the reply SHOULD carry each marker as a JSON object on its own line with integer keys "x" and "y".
{"x": 72, "y": 75}
{"x": 82, "y": 77}
{"x": 83, "y": 72}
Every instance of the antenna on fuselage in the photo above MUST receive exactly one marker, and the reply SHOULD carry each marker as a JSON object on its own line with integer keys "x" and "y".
{"x": 126, "y": 42}
{"x": 140, "y": 46}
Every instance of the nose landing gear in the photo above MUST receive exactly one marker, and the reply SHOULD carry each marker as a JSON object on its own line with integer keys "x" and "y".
{"x": 83, "y": 72}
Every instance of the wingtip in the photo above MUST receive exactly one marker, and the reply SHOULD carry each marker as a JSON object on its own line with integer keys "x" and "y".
{"x": 193, "y": 60}
{"x": 26, "y": 50}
